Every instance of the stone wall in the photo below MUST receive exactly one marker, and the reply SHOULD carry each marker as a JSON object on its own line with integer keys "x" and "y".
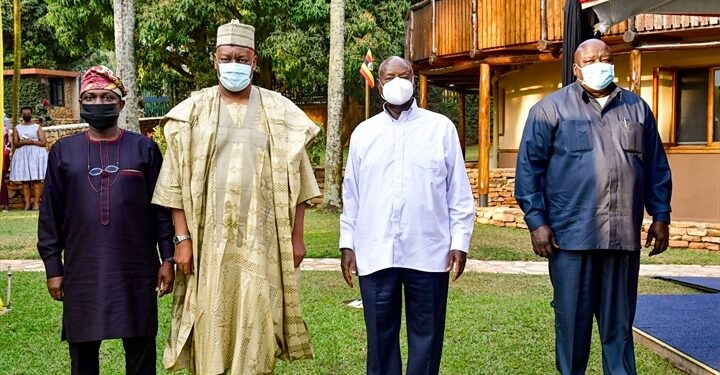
{"x": 52, "y": 134}
{"x": 502, "y": 186}
{"x": 683, "y": 234}
{"x": 320, "y": 177}
{"x": 692, "y": 235}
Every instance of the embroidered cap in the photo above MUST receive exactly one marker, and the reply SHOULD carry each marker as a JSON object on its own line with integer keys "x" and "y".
{"x": 237, "y": 34}
{"x": 100, "y": 77}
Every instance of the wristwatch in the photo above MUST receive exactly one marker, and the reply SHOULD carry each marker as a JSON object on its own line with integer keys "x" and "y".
{"x": 180, "y": 238}
{"x": 169, "y": 260}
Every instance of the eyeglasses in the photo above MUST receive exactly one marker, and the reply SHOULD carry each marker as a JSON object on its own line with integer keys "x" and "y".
{"x": 98, "y": 171}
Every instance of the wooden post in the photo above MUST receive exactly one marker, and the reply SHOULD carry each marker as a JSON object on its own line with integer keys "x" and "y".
{"x": 423, "y": 91}
{"x": 635, "y": 71}
{"x": 461, "y": 121}
{"x": 484, "y": 135}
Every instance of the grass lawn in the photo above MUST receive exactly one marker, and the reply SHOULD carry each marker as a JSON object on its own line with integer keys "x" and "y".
{"x": 496, "y": 324}
{"x": 18, "y": 236}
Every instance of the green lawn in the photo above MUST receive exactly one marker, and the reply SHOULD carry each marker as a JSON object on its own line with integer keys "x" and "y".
{"x": 18, "y": 238}
{"x": 496, "y": 324}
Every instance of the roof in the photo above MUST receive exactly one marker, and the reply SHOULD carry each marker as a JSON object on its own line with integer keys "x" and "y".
{"x": 42, "y": 72}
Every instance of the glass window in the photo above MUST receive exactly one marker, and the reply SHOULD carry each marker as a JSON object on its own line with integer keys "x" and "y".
{"x": 57, "y": 92}
{"x": 691, "y": 115}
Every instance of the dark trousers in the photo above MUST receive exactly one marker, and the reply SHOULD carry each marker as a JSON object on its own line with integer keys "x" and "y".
{"x": 425, "y": 306}
{"x": 603, "y": 284}
{"x": 139, "y": 356}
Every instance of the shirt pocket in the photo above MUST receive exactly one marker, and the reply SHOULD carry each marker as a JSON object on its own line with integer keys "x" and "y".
{"x": 132, "y": 187}
{"x": 577, "y": 135}
{"x": 632, "y": 137}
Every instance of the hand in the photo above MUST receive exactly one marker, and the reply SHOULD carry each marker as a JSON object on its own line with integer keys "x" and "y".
{"x": 348, "y": 265}
{"x": 299, "y": 251}
{"x": 184, "y": 257}
{"x": 55, "y": 287}
{"x": 456, "y": 263}
{"x": 165, "y": 278}
{"x": 660, "y": 232}
{"x": 543, "y": 242}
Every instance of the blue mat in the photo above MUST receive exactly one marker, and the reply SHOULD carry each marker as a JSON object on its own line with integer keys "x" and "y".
{"x": 688, "y": 323}
{"x": 707, "y": 284}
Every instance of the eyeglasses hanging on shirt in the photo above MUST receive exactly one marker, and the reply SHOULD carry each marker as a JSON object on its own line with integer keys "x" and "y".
{"x": 94, "y": 172}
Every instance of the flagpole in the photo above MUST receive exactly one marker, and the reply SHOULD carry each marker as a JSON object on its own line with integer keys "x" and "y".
{"x": 367, "y": 101}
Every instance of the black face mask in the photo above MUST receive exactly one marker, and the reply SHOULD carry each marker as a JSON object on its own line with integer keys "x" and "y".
{"x": 27, "y": 118}
{"x": 100, "y": 116}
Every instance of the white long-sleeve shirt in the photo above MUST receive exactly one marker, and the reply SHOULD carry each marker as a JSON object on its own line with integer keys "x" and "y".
{"x": 407, "y": 200}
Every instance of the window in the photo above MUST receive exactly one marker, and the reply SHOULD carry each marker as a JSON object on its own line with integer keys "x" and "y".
{"x": 688, "y": 99}
{"x": 57, "y": 92}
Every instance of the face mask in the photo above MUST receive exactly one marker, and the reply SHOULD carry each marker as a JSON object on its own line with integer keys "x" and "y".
{"x": 27, "y": 118}
{"x": 598, "y": 76}
{"x": 234, "y": 77}
{"x": 100, "y": 116}
{"x": 398, "y": 91}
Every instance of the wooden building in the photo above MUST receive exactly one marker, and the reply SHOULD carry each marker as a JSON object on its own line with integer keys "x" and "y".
{"x": 511, "y": 50}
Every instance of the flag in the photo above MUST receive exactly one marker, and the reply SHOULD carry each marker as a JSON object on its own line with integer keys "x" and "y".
{"x": 366, "y": 69}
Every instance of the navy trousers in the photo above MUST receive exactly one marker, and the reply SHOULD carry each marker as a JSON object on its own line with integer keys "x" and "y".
{"x": 425, "y": 307}
{"x": 140, "y": 354}
{"x": 603, "y": 284}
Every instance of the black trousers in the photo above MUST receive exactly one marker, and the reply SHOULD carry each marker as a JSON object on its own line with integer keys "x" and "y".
{"x": 603, "y": 284}
{"x": 140, "y": 354}
{"x": 425, "y": 304}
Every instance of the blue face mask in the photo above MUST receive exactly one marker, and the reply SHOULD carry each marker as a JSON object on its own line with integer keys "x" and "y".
{"x": 598, "y": 76}
{"x": 234, "y": 77}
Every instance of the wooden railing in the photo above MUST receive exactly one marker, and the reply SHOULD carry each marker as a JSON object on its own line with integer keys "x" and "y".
{"x": 446, "y": 28}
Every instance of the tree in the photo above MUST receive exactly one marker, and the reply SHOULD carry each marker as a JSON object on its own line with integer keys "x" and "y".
{"x": 124, "y": 16}
{"x": 16, "y": 62}
{"x": 335, "y": 99}
{"x": 175, "y": 38}
{"x": 40, "y": 47}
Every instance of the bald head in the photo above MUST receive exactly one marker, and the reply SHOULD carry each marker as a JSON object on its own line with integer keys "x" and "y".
{"x": 590, "y": 51}
{"x": 394, "y": 64}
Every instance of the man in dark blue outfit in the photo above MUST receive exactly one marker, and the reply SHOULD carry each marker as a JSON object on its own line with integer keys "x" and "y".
{"x": 107, "y": 250}
{"x": 590, "y": 160}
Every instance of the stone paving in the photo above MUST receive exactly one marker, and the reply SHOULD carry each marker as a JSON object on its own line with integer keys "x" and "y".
{"x": 473, "y": 265}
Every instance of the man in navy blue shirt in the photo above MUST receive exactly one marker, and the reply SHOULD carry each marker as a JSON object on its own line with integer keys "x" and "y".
{"x": 590, "y": 161}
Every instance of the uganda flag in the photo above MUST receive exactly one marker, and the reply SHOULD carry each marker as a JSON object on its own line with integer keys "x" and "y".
{"x": 366, "y": 70}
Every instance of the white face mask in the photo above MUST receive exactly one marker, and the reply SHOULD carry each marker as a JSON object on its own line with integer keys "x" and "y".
{"x": 598, "y": 76}
{"x": 234, "y": 77}
{"x": 398, "y": 91}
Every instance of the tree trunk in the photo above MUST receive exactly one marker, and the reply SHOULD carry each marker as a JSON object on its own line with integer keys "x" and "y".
{"x": 16, "y": 64}
{"x": 124, "y": 14}
{"x": 332, "y": 200}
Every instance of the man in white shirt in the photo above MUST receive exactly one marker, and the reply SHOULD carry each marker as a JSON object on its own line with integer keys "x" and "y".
{"x": 407, "y": 220}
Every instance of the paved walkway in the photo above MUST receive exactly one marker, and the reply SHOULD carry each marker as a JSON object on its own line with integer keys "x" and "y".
{"x": 473, "y": 265}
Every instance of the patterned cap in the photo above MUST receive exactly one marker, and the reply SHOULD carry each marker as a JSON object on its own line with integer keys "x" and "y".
{"x": 237, "y": 34}
{"x": 100, "y": 77}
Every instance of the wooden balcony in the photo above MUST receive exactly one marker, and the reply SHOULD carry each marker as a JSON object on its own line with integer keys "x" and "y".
{"x": 439, "y": 30}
